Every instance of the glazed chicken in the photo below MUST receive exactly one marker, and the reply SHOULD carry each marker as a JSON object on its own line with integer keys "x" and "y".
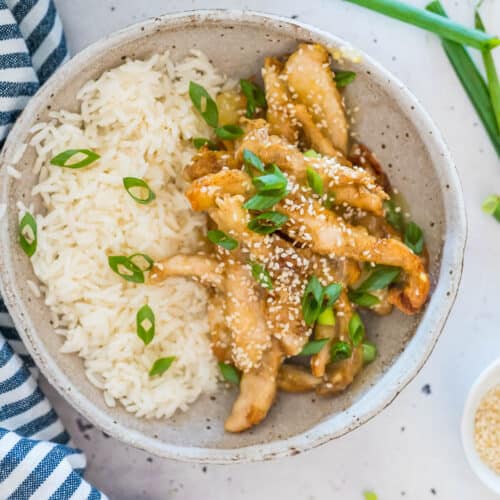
{"x": 301, "y": 241}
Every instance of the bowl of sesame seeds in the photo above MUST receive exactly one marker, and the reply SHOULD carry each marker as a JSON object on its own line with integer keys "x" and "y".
{"x": 481, "y": 427}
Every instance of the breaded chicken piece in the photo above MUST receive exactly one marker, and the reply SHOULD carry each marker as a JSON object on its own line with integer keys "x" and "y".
{"x": 279, "y": 104}
{"x": 257, "y": 392}
{"x": 311, "y": 82}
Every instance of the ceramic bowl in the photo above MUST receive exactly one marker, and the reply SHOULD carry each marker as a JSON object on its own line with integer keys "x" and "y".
{"x": 488, "y": 379}
{"x": 390, "y": 121}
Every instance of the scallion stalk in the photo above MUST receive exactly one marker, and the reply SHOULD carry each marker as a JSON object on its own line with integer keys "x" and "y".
{"x": 472, "y": 81}
{"x": 431, "y": 21}
{"x": 491, "y": 73}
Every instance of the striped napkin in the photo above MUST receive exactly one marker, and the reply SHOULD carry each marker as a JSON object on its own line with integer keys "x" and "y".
{"x": 37, "y": 459}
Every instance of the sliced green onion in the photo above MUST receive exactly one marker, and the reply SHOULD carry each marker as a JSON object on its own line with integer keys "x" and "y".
{"x": 229, "y": 132}
{"x": 314, "y": 180}
{"x": 394, "y": 215}
{"x": 267, "y": 223}
{"x": 252, "y": 160}
{"x": 356, "y": 329}
{"x": 145, "y": 323}
{"x": 369, "y": 352}
{"x": 430, "y": 22}
{"x": 143, "y": 193}
{"x": 28, "y": 238}
{"x": 472, "y": 81}
{"x": 222, "y": 239}
{"x": 327, "y": 317}
{"x": 161, "y": 365}
{"x": 230, "y": 373}
{"x": 491, "y": 206}
{"x": 340, "y": 350}
{"x": 491, "y": 73}
{"x": 261, "y": 275}
{"x": 330, "y": 200}
{"x": 125, "y": 268}
{"x": 61, "y": 160}
{"x": 199, "y": 142}
{"x": 344, "y": 78}
{"x": 331, "y": 293}
{"x": 263, "y": 202}
{"x": 204, "y": 104}
{"x": 381, "y": 277}
{"x": 273, "y": 180}
{"x": 312, "y": 300}
{"x": 363, "y": 299}
{"x": 313, "y": 347}
{"x": 149, "y": 261}
{"x": 310, "y": 153}
{"x": 256, "y": 97}
{"x": 272, "y": 187}
{"x": 414, "y": 237}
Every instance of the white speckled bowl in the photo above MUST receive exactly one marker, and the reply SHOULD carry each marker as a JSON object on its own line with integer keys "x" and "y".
{"x": 390, "y": 121}
{"x": 488, "y": 379}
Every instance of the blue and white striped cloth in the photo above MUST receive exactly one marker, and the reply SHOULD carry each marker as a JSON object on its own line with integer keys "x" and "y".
{"x": 37, "y": 459}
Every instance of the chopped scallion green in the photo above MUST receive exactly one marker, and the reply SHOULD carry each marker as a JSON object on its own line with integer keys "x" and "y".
{"x": 230, "y": 373}
{"x": 344, "y": 78}
{"x": 261, "y": 275}
{"x": 356, "y": 329}
{"x": 340, "y": 350}
{"x": 491, "y": 206}
{"x": 229, "y": 132}
{"x": 161, "y": 365}
{"x": 267, "y": 222}
{"x": 369, "y": 352}
{"x": 61, "y": 160}
{"x": 204, "y": 104}
{"x": 28, "y": 237}
{"x": 314, "y": 180}
{"x": 222, "y": 239}
{"x": 313, "y": 347}
{"x": 145, "y": 323}
{"x": 255, "y": 96}
{"x": 139, "y": 190}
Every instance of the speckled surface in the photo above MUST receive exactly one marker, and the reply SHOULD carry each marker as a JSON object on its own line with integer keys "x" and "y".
{"x": 412, "y": 450}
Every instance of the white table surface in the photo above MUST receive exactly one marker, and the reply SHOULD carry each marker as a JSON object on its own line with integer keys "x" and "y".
{"x": 412, "y": 451}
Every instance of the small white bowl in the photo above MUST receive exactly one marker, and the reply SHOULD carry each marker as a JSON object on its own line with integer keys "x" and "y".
{"x": 489, "y": 378}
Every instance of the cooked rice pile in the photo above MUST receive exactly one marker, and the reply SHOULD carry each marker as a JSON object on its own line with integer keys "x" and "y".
{"x": 139, "y": 118}
{"x": 487, "y": 429}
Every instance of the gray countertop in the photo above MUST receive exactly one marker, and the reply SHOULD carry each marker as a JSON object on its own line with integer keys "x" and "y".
{"x": 412, "y": 451}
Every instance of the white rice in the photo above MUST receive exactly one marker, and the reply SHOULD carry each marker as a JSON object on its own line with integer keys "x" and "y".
{"x": 13, "y": 172}
{"x": 139, "y": 118}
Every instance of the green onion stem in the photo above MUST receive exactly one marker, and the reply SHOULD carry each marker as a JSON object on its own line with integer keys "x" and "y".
{"x": 472, "y": 81}
{"x": 491, "y": 73}
{"x": 431, "y": 21}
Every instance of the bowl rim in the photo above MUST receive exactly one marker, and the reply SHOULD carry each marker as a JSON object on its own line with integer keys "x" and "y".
{"x": 406, "y": 366}
{"x": 487, "y": 379}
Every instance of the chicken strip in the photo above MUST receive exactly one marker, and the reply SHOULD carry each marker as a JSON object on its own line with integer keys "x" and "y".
{"x": 257, "y": 392}
{"x": 293, "y": 378}
{"x": 203, "y": 192}
{"x": 286, "y": 267}
{"x": 353, "y": 186}
{"x": 311, "y": 82}
{"x": 340, "y": 375}
{"x": 313, "y": 135}
{"x": 208, "y": 162}
{"x": 245, "y": 316}
{"x": 206, "y": 269}
{"x": 220, "y": 335}
{"x": 279, "y": 105}
{"x": 328, "y": 234}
